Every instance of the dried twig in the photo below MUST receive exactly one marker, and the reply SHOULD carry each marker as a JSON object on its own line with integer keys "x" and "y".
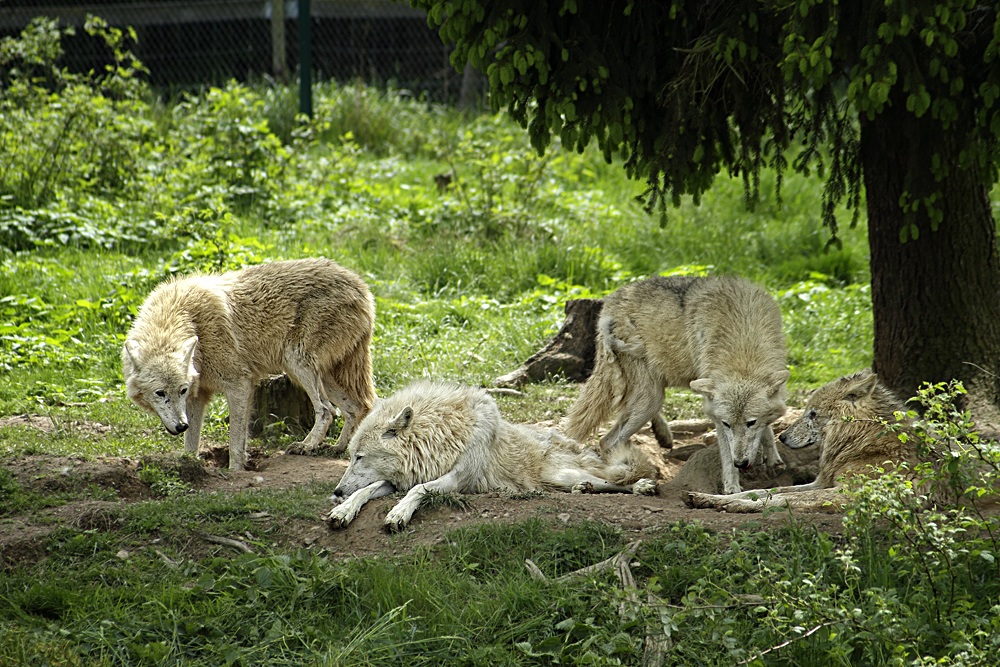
{"x": 786, "y": 643}
{"x": 625, "y": 555}
{"x": 226, "y": 542}
{"x": 166, "y": 559}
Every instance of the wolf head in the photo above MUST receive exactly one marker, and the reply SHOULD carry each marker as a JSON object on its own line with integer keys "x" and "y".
{"x": 373, "y": 455}
{"x": 743, "y": 410}
{"x": 160, "y": 381}
{"x": 858, "y": 396}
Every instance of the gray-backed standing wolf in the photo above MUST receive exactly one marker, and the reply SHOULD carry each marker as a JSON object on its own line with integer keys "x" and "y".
{"x": 720, "y": 336}
{"x": 204, "y": 334}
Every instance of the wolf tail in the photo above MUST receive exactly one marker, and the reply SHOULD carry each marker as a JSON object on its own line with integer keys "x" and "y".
{"x": 626, "y": 465}
{"x": 354, "y": 375}
{"x": 603, "y": 391}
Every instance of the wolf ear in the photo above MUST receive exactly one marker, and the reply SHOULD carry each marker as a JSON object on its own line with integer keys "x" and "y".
{"x": 187, "y": 349}
{"x": 399, "y": 423}
{"x": 863, "y": 388}
{"x": 778, "y": 380}
{"x": 132, "y": 350}
{"x": 704, "y": 386}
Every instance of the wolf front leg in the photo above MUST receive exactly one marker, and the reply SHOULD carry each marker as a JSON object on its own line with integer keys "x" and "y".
{"x": 400, "y": 515}
{"x": 772, "y": 458}
{"x": 196, "y": 416}
{"x": 238, "y": 396}
{"x": 345, "y": 512}
{"x": 730, "y": 474}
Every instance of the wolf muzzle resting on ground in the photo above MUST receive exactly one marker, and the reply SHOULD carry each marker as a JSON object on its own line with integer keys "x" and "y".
{"x": 720, "y": 336}
{"x": 204, "y": 334}
{"x": 448, "y": 438}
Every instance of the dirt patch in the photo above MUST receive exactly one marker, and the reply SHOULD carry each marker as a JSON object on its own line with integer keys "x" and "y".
{"x": 23, "y": 537}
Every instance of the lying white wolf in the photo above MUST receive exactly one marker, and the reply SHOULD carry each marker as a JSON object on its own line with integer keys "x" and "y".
{"x": 204, "y": 334}
{"x": 720, "y": 336}
{"x": 446, "y": 438}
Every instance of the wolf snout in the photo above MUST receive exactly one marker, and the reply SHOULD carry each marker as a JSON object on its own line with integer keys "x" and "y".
{"x": 177, "y": 428}
{"x": 742, "y": 465}
{"x": 782, "y": 438}
{"x": 338, "y": 494}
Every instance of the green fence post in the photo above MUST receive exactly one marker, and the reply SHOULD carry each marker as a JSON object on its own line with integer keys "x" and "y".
{"x": 305, "y": 58}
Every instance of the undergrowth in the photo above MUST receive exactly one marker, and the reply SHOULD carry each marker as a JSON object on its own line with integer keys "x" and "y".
{"x": 472, "y": 244}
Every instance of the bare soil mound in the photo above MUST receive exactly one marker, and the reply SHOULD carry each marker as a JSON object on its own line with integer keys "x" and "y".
{"x": 23, "y": 535}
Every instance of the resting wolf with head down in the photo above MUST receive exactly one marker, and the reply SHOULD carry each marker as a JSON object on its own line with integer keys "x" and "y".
{"x": 847, "y": 419}
{"x": 204, "y": 334}
{"x": 720, "y": 336}
{"x": 448, "y": 438}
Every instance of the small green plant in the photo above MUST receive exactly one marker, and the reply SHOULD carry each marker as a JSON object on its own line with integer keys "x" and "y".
{"x": 163, "y": 483}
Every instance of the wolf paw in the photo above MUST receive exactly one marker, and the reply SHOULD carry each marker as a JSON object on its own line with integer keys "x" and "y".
{"x": 396, "y": 521}
{"x": 337, "y": 518}
{"x": 582, "y": 487}
{"x": 302, "y": 449}
{"x": 645, "y": 487}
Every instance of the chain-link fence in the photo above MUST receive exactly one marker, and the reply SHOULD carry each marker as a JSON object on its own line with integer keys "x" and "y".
{"x": 187, "y": 43}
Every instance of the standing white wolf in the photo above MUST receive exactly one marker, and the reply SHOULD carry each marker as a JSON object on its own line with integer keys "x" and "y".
{"x": 447, "y": 438}
{"x": 204, "y": 334}
{"x": 720, "y": 336}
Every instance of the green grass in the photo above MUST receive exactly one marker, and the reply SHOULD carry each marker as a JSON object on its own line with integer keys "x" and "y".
{"x": 470, "y": 280}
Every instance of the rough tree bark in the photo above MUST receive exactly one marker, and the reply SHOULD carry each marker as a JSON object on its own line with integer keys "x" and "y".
{"x": 570, "y": 352}
{"x": 279, "y": 399}
{"x": 935, "y": 299}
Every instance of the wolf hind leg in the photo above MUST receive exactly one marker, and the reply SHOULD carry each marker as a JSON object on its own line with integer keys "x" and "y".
{"x": 644, "y": 407}
{"x": 350, "y": 386}
{"x": 575, "y": 480}
{"x": 661, "y": 429}
{"x": 306, "y": 376}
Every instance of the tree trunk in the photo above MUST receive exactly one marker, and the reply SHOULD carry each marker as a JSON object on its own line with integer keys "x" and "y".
{"x": 570, "y": 353}
{"x": 278, "y": 399}
{"x": 936, "y": 298}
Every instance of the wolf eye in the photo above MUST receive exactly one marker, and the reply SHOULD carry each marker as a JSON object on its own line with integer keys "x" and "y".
{"x": 726, "y": 424}
{"x": 161, "y": 394}
{"x": 751, "y": 423}
{"x": 184, "y": 390}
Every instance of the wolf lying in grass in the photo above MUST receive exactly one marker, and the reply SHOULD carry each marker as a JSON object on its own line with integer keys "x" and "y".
{"x": 720, "y": 336}
{"x": 204, "y": 334}
{"x": 449, "y": 438}
{"x": 847, "y": 419}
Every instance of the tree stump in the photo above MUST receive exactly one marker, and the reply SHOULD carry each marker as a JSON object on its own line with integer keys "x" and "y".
{"x": 278, "y": 399}
{"x": 570, "y": 353}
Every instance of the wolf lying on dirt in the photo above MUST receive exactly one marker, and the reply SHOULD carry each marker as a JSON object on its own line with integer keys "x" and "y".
{"x": 720, "y": 336}
{"x": 448, "y": 438}
{"x": 203, "y": 334}
{"x": 847, "y": 419}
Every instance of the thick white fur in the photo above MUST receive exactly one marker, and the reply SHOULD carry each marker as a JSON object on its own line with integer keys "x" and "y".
{"x": 204, "y": 334}
{"x": 449, "y": 438}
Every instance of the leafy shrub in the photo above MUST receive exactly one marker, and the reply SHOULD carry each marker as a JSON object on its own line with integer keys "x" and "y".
{"x": 62, "y": 130}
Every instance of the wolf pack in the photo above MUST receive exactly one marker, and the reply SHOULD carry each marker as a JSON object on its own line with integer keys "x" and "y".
{"x": 311, "y": 319}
